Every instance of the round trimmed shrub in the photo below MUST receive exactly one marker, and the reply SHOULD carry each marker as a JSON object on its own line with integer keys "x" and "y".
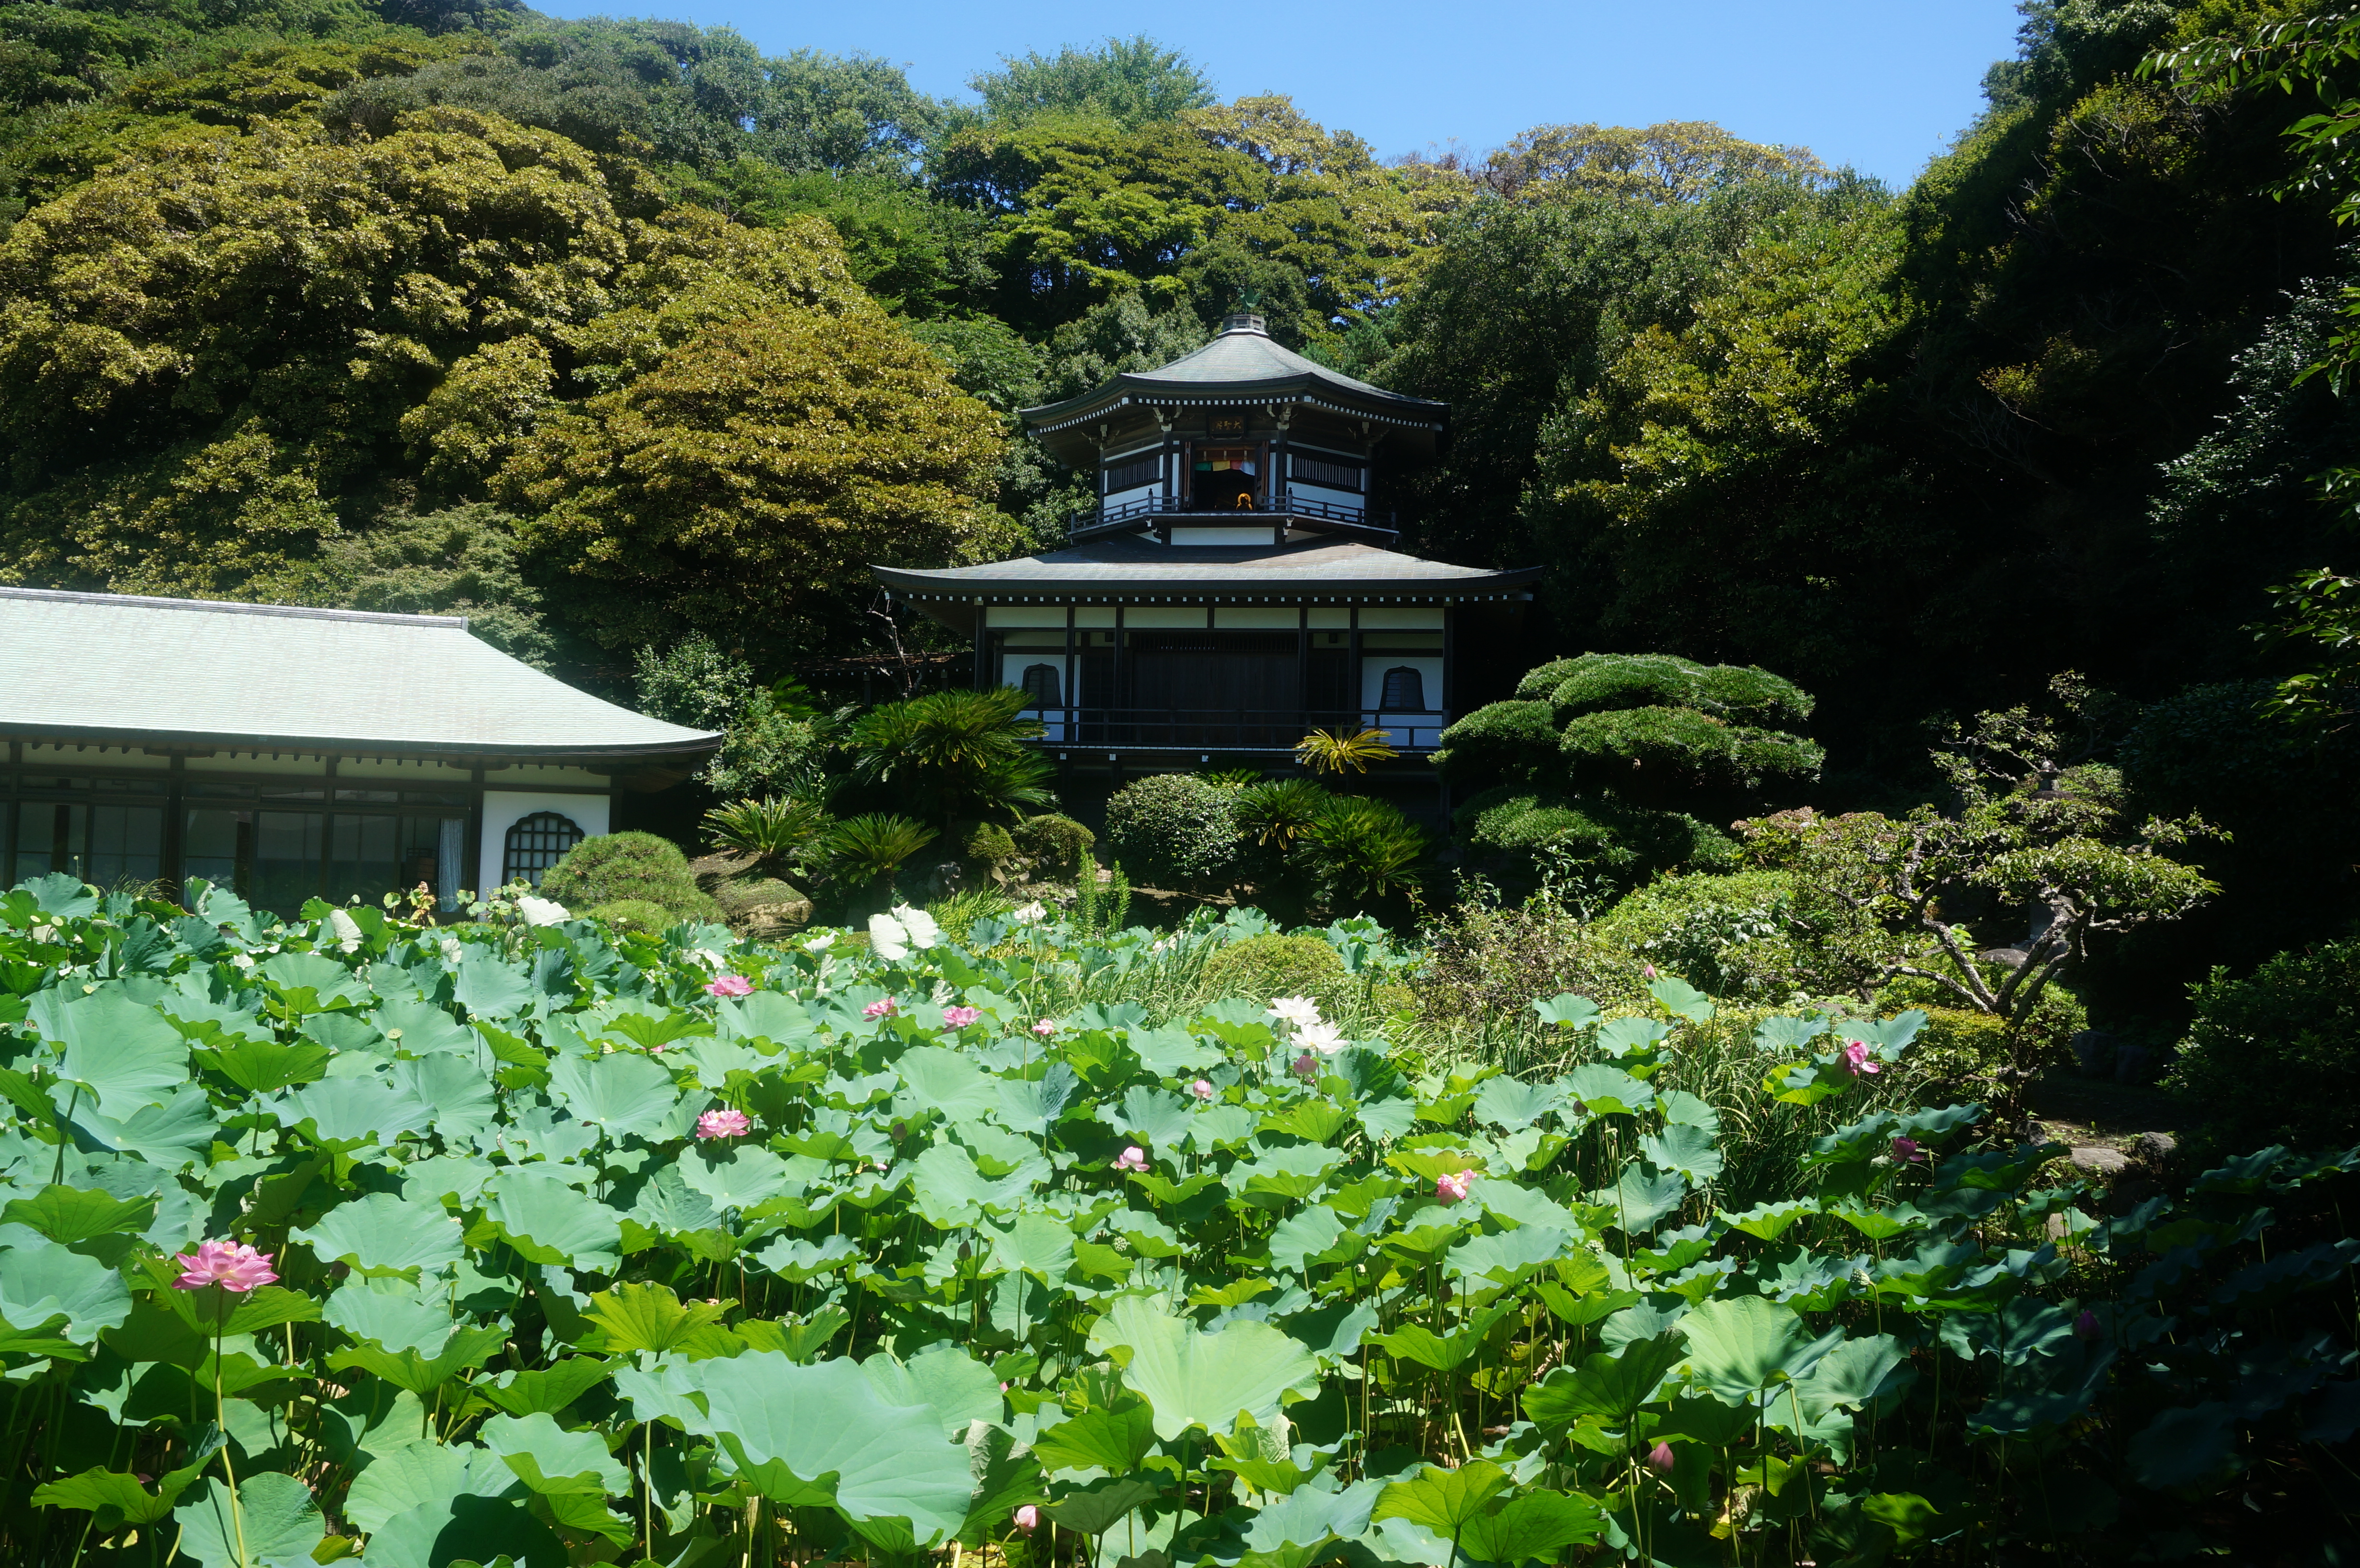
{"x": 988, "y": 845}
{"x": 1662, "y": 753}
{"x": 1268, "y": 966}
{"x": 1501, "y": 743}
{"x": 1602, "y": 683}
{"x": 634, "y": 915}
{"x": 1173, "y": 830}
{"x": 612, "y": 868}
{"x": 1056, "y": 843}
{"x": 1722, "y": 934}
{"x": 2274, "y": 1058}
{"x": 1512, "y": 832}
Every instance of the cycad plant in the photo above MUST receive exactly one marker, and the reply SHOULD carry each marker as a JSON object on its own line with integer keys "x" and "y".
{"x": 778, "y": 832}
{"x": 1364, "y": 849}
{"x": 1276, "y": 815}
{"x": 954, "y": 754}
{"x": 1335, "y": 849}
{"x": 1334, "y": 751}
{"x": 873, "y": 848}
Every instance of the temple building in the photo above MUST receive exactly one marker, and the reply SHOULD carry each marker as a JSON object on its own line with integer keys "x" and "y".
{"x": 1235, "y": 585}
{"x": 293, "y": 753}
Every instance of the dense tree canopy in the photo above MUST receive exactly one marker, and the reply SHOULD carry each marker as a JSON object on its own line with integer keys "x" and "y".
{"x": 744, "y": 483}
{"x": 443, "y": 305}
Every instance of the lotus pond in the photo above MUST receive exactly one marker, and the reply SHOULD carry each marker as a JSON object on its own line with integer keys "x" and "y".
{"x": 346, "y": 1238}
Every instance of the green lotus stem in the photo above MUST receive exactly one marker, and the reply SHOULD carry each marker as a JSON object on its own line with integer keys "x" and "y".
{"x": 221, "y": 1419}
{"x": 57, "y": 1177}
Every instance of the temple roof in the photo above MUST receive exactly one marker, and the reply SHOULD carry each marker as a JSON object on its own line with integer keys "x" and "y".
{"x": 1135, "y": 571}
{"x": 197, "y": 672}
{"x": 1242, "y": 366}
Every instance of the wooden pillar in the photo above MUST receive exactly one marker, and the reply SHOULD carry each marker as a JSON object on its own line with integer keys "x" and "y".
{"x": 1448, "y": 698}
{"x": 1302, "y": 669}
{"x": 983, "y": 650}
{"x": 175, "y": 850}
{"x": 1171, "y": 459}
{"x": 1354, "y": 685}
{"x": 1071, "y": 693}
{"x": 1120, "y": 697}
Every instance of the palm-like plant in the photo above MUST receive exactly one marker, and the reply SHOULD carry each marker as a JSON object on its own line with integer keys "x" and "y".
{"x": 1278, "y": 814}
{"x": 954, "y": 751}
{"x": 872, "y": 848}
{"x": 776, "y": 831}
{"x": 1333, "y": 751}
{"x": 1365, "y": 849}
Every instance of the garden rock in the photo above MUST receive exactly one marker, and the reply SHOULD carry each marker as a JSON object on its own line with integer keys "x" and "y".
{"x": 2100, "y": 1162}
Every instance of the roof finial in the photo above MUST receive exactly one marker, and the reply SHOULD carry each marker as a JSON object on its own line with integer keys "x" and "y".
{"x": 1246, "y": 318}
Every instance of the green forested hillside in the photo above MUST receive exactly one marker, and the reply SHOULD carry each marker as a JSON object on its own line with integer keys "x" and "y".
{"x": 615, "y": 332}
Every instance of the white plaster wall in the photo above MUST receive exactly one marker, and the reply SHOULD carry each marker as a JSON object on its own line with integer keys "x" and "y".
{"x": 503, "y": 809}
{"x": 1254, "y": 531}
{"x": 1141, "y": 493}
{"x": 1351, "y": 499}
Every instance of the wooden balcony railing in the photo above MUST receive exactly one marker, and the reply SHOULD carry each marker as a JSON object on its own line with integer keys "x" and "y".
{"x": 1229, "y": 729}
{"x": 1175, "y": 511}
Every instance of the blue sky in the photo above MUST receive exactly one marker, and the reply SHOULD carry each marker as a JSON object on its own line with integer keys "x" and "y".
{"x": 1880, "y": 84}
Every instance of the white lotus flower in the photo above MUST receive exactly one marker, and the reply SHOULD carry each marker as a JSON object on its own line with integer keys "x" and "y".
{"x": 1029, "y": 914}
{"x": 541, "y": 911}
{"x": 450, "y": 950}
{"x": 923, "y": 931}
{"x": 347, "y": 930}
{"x": 242, "y": 960}
{"x": 1300, "y": 1011}
{"x": 709, "y": 958}
{"x": 1320, "y": 1036}
{"x": 821, "y": 942}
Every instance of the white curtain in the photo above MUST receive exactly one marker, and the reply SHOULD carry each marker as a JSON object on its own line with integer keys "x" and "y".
{"x": 446, "y": 862}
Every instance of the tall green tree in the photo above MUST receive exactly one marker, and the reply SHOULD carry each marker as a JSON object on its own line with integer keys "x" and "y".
{"x": 744, "y": 483}
{"x": 1134, "y": 82}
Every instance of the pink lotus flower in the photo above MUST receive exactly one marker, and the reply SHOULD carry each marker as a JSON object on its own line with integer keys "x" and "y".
{"x": 232, "y": 1265}
{"x": 880, "y": 1009}
{"x": 1450, "y": 1189}
{"x": 1132, "y": 1158}
{"x": 960, "y": 1017}
{"x": 729, "y": 985}
{"x": 1662, "y": 1460}
{"x": 1202, "y": 1088}
{"x": 1647, "y": 971}
{"x": 2086, "y": 1326}
{"x": 723, "y": 1124}
{"x": 1857, "y": 1061}
{"x": 1908, "y": 1151}
{"x": 1028, "y": 1519}
{"x": 1306, "y": 1067}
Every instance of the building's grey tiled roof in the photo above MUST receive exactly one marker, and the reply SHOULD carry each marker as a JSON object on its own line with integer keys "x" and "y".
{"x": 112, "y": 666}
{"x": 1242, "y": 359}
{"x": 1241, "y": 355}
{"x": 1310, "y": 566}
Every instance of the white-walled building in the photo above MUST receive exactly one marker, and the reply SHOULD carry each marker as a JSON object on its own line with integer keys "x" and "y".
{"x": 291, "y": 753}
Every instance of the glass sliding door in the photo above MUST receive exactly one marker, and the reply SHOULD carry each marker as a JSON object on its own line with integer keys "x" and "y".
{"x": 287, "y": 858}
{"x": 126, "y": 845}
{"x": 50, "y": 837}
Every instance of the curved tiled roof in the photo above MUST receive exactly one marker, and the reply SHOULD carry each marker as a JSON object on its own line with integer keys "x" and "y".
{"x": 1127, "y": 567}
{"x": 1243, "y": 362}
{"x": 187, "y": 671}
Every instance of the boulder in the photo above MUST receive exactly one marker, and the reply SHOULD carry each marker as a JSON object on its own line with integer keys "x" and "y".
{"x": 2100, "y": 1162}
